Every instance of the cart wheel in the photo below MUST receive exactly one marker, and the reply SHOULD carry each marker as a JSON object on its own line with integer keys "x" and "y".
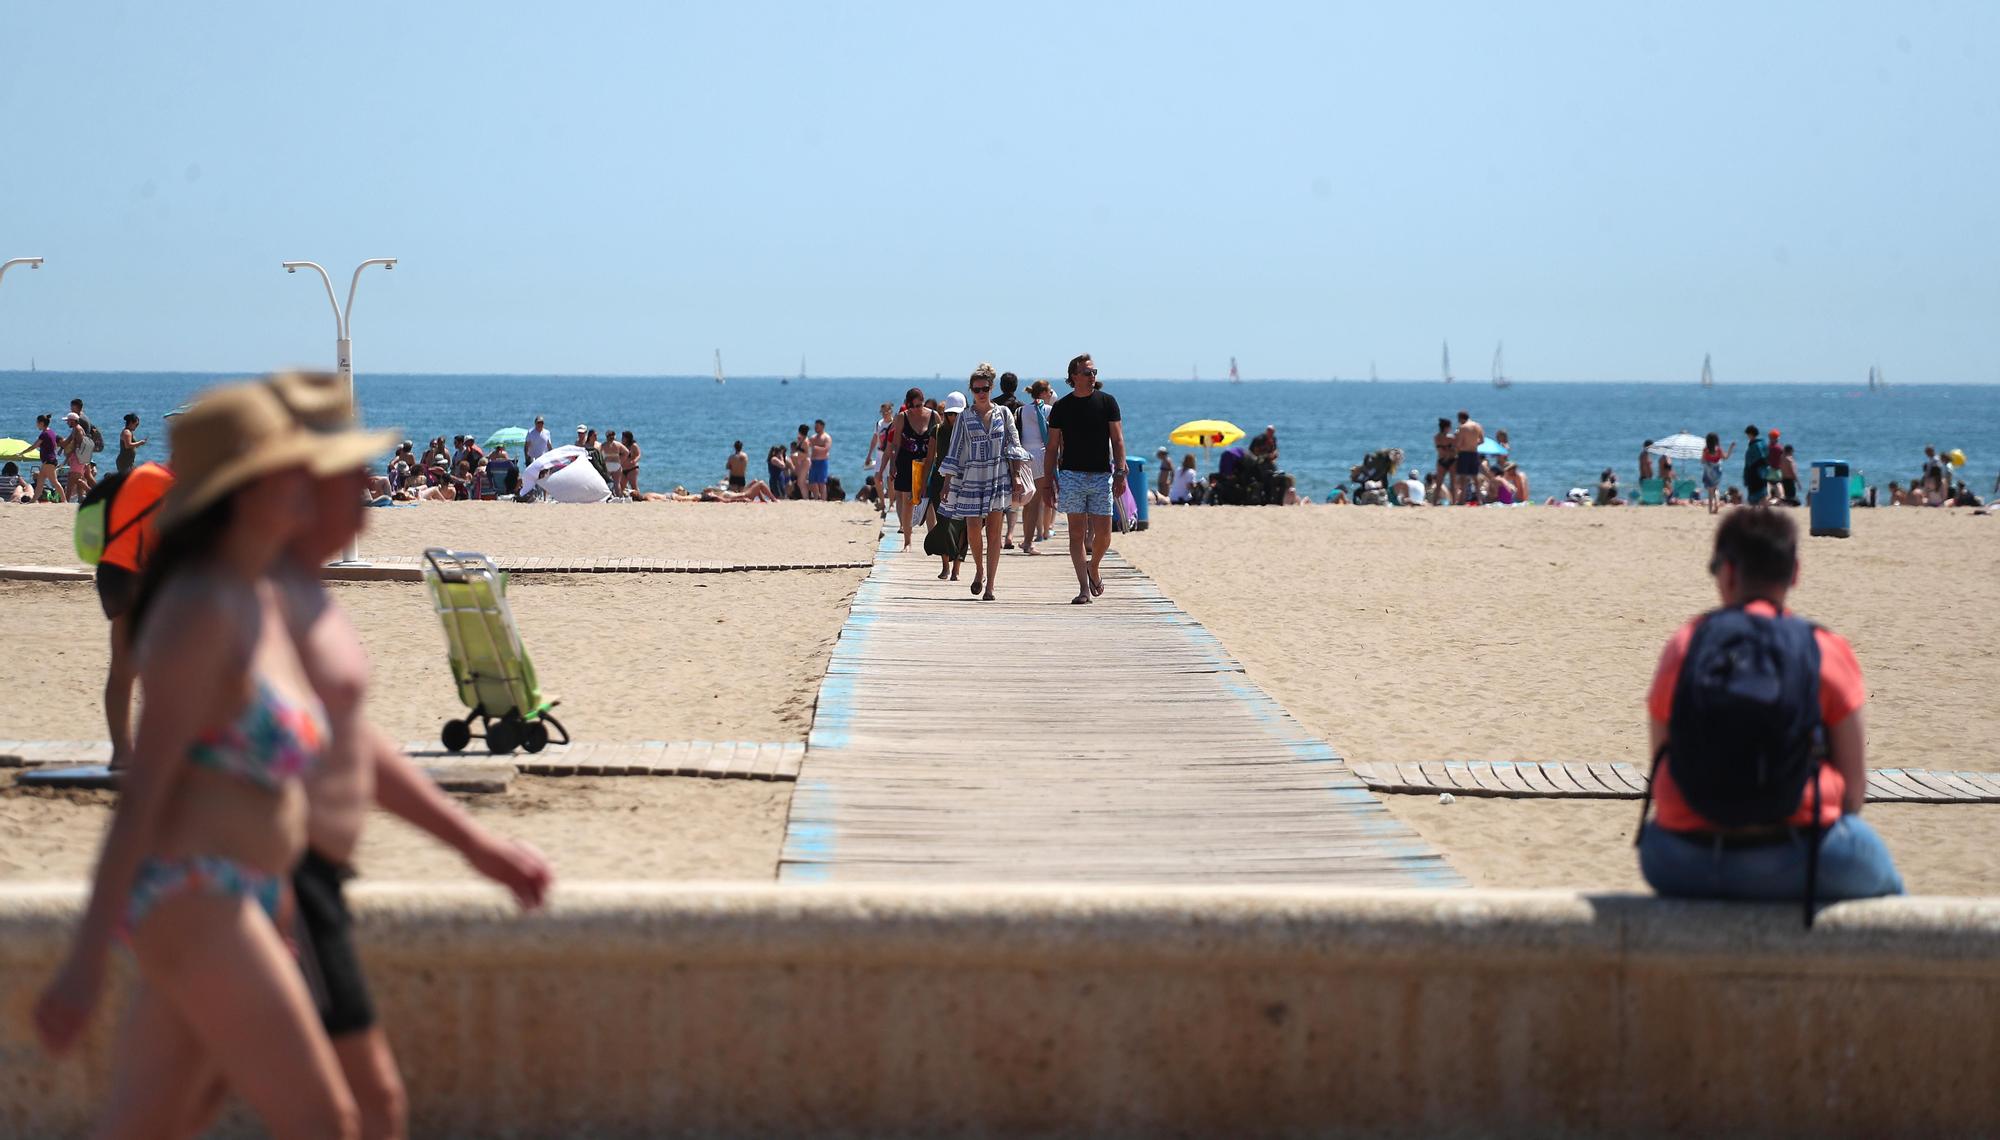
{"x": 502, "y": 735}
{"x": 534, "y": 736}
{"x": 456, "y": 735}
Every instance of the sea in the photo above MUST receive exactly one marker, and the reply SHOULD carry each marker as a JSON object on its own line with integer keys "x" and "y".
{"x": 1563, "y": 434}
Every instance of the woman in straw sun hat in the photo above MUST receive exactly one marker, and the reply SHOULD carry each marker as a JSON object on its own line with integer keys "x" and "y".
{"x": 211, "y": 818}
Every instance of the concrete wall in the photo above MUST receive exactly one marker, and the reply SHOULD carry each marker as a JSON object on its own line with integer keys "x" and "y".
{"x": 761, "y": 1011}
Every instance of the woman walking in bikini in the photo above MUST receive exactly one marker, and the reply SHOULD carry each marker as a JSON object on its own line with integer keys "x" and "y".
{"x": 910, "y": 441}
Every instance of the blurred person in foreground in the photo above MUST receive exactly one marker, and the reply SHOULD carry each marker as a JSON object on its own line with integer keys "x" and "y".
{"x": 211, "y": 815}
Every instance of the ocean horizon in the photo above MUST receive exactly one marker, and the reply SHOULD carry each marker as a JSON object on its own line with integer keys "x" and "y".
{"x": 1564, "y": 433}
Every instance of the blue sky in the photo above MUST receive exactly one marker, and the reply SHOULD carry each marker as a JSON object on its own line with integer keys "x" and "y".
{"x": 888, "y": 189}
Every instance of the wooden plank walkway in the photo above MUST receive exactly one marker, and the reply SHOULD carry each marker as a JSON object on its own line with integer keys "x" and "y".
{"x": 1504, "y": 779}
{"x": 1032, "y": 740}
{"x": 406, "y": 568}
{"x": 720, "y": 760}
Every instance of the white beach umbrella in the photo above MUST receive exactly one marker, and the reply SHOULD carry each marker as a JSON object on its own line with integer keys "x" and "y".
{"x": 565, "y": 475}
{"x": 1678, "y": 446}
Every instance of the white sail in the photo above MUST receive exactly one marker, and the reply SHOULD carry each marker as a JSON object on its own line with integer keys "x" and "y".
{"x": 802, "y": 369}
{"x": 1447, "y": 362}
{"x": 1500, "y": 369}
{"x": 1235, "y": 377}
{"x": 1371, "y": 372}
{"x": 1707, "y": 372}
{"x": 718, "y": 366}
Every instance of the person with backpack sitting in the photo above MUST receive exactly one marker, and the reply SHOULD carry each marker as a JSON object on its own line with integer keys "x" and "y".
{"x": 1756, "y": 730}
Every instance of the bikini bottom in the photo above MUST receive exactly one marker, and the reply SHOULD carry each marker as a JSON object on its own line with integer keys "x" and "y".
{"x": 161, "y": 879}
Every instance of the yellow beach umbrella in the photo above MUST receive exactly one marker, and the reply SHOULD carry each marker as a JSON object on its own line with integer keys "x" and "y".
{"x": 1206, "y": 433}
{"x": 16, "y": 449}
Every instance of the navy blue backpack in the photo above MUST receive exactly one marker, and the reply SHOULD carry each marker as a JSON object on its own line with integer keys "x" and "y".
{"x": 1745, "y": 730}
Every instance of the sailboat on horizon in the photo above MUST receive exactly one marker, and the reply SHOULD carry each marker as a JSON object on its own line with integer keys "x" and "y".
{"x": 1447, "y": 362}
{"x": 718, "y": 366}
{"x": 1372, "y": 378}
{"x": 1235, "y": 377}
{"x": 1500, "y": 369}
{"x": 1876, "y": 382}
{"x": 1707, "y": 371}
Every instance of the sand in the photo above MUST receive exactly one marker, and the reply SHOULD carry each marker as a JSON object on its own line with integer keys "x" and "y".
{"x": 1531, "y": 634}
{"x": 632, "y": 657}
{"x": 640, "y": 827}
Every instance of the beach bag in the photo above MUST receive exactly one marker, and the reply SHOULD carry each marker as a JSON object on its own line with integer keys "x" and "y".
{"x": 90, "y": 533}
{"x": 1024, "y": 490}
{"x": 1745, "y": 728}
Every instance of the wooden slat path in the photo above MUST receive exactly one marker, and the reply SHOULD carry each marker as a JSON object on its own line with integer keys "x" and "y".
{"x": 1504, "y": 779}
{"x": 725, "y": 760}
{"x": 1033, "y": 740}
{"x": 408, "y": 568}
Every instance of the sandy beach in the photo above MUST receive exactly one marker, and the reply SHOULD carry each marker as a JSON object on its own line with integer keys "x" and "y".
{"x": 632, "y": 656}
{"x": 1396, "y": 635}
{"x": 1531, "y": 634}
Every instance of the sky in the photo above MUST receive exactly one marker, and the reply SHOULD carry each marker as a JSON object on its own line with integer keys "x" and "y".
{"x": 883, "y": 189}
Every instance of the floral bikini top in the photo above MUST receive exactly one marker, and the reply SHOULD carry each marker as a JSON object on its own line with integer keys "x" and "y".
{"x": 274, "y": 740}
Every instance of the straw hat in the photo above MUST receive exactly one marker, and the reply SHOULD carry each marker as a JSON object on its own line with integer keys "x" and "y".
{"x": 318, "y": 403}
{"x": 228, "y": 437}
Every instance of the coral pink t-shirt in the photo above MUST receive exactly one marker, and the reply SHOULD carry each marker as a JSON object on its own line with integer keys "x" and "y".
{"x": 1841, "y": 692}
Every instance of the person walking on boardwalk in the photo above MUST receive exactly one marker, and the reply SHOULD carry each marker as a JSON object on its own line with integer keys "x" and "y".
{"x": 1086, "y": 462}
{"x": 909, "y": 441}
{"x": 945, "y": 534}
{"x": 978, "y": 477}
{"x": 1040, "y": 513}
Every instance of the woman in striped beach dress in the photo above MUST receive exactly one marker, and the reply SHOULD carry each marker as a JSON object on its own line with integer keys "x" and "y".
{"x": 980, "y": 477}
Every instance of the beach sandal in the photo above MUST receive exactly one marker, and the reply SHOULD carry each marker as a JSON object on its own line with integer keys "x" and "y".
{"x": 1029, "y": 548}
{"x": 1007, "y": 544}
{"x": 1082, "y": 599}
{"x": 944, "y": 573}
{"x": 1096, "y": 586}
{"x": 977, "y": 582}
{"x": 987, "y": 596}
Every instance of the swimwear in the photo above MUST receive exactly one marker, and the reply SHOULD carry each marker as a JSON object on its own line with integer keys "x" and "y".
{"x": 817, "y": 472}
{"x": 1711, "y": 476}
{"x": 326, "y": 946}
{"x": 1468, "y": 463}
{"x": 1083, "y": 492}
{"x": 271, "y": 742}
{"x": 160, "y": 879}
{"x": 736, "y": 482}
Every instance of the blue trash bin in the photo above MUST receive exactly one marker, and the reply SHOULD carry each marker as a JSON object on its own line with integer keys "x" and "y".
{"x": 1135, "y": 480}
{"x": 1831, "y": 508}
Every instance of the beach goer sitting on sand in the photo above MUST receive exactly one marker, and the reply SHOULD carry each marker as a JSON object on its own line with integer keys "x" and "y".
{"x": 870, "y": 492}
{"x": 1962, "y": 496}
{"x": 13, "y": 488}
{"x": 757, "y": 492}
{"x": 1411, "y": 492}
{"x": 210, "y": 820}
{"x": 1607, "y": 488}
{"x": 1338, "y": 498}
{"x": 1733, "y": 497}
{"x": 1186, "y": 485}
{"x": 1755, "y": 725}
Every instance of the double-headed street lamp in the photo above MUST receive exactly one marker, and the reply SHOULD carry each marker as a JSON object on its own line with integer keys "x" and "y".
{"x": 343, "y": 347}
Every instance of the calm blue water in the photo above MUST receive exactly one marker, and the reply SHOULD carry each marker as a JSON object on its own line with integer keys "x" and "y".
{"x": 1563, "y": 434}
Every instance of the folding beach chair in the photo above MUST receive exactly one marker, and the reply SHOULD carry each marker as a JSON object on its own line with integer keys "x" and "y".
{"x": 1685, "y": 491}
{"x": 495, "y": 678}
{"x": 1652, "y": 492}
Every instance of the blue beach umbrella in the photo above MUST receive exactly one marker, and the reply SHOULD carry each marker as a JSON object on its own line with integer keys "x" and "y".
{"x": 507, "y": 437}
{"x": 1490, "y": 447}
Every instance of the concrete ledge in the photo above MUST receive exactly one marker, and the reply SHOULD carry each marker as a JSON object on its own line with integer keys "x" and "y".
{"x": 653, "y": 1009}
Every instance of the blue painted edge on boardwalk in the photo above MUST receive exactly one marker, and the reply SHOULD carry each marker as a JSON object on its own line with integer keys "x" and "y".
{"x": 809, "y": 844}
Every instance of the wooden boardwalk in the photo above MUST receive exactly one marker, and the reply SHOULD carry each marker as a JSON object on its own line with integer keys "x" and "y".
{"x": 1505, "y": 779}
{"x": 1032, "y": 740}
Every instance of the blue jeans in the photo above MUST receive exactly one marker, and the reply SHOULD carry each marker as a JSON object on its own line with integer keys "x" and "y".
{"x": 1853, "y": 864}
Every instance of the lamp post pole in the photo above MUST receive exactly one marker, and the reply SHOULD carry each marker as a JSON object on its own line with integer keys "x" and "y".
{"x": 343, "y": 346}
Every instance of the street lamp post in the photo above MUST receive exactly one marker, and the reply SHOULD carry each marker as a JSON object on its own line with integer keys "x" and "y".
{"x": 30, "y": 262}
{"x": 343, "y": 349}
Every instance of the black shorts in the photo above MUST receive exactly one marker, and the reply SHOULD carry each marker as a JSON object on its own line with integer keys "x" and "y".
{"x": 736, "y": 482}
{"x": 117, "y": 588}
{"x": 326, "y": 946}
{"x": 1468, "y": 463}
{"x": 904, "y": 472}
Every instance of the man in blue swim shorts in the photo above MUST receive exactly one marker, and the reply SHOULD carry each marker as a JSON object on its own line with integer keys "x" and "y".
{"x": 1086, "y": 462}
{"x": 822, "y": 459}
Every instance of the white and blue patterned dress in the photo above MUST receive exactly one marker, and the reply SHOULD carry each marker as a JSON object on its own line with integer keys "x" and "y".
{"x": 980, "y": 464}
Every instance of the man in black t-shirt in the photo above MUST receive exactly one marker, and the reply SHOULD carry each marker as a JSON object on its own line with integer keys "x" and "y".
{"x": 1086, "y": 463}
